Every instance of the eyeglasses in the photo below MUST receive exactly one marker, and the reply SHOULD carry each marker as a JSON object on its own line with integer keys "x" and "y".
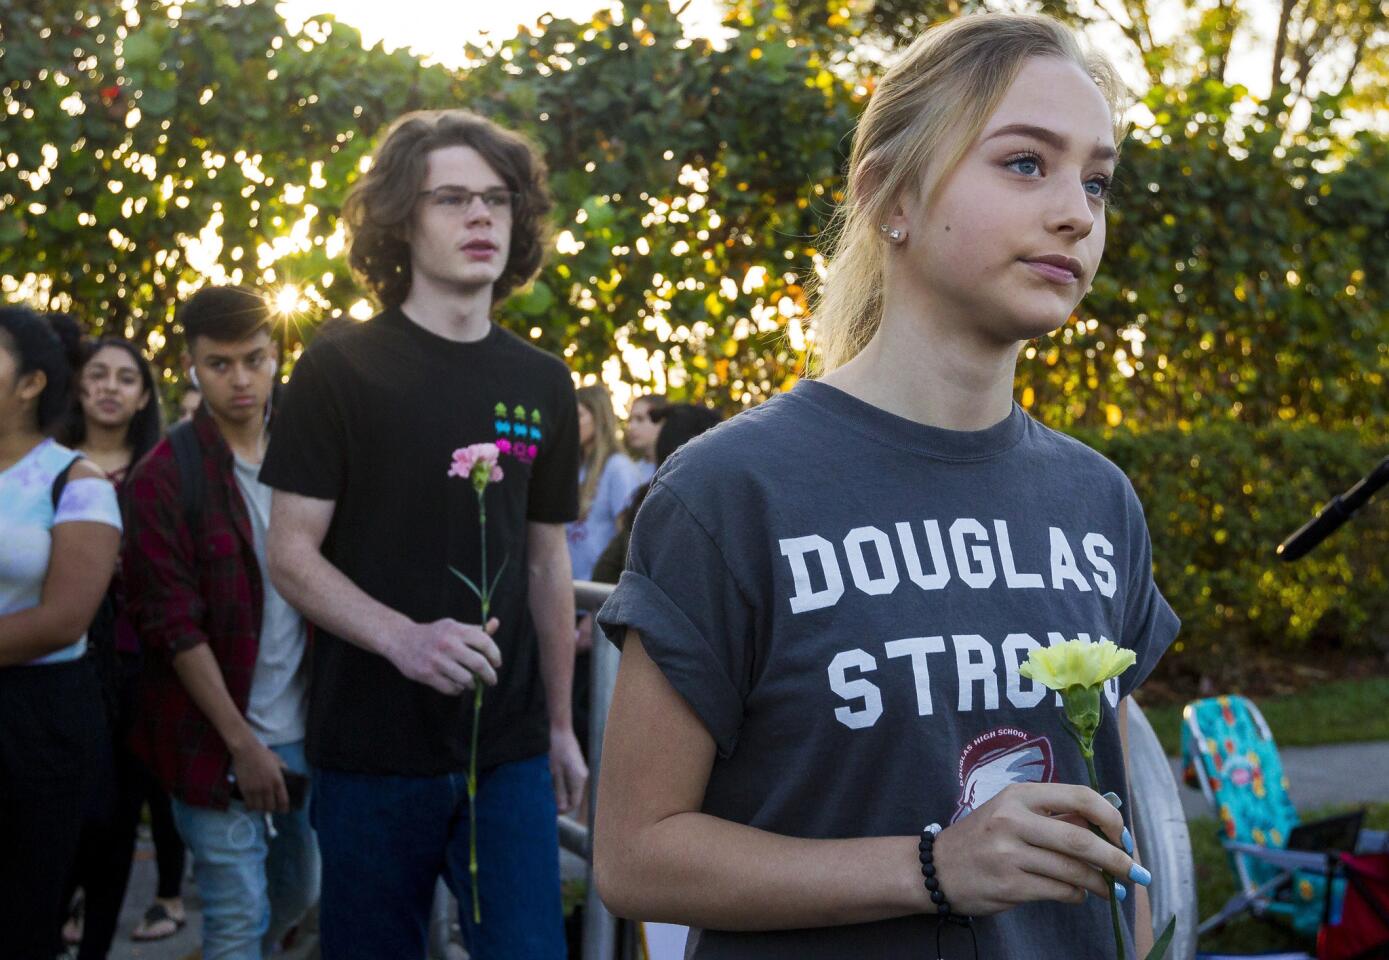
{"x": 457, "y": 199}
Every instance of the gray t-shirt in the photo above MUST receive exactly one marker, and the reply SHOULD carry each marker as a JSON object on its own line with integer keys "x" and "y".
{"x": 844, "y": 596}
{"x": 278, "y": 705}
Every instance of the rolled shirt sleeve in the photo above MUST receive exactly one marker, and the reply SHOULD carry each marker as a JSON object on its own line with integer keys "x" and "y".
{"x": 695, "y": 621}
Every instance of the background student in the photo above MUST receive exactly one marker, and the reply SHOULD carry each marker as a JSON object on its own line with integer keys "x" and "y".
{"x": 114, "y": 421}
{"x": 449, "y": 219}
{"x": 61, "y": 529}
{"x": 223, "y": 701}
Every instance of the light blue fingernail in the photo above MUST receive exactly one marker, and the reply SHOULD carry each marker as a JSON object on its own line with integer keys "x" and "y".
{"x": 1120, "y": 893}
{"x": 1138, "y": 875}
{"x": 1113, "y": 799}
{"x": 1127, "y": 841}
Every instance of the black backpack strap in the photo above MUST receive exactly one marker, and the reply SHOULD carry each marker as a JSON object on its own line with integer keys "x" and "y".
{"x": 188, "y": 454}
{"x": 60, "y": 482}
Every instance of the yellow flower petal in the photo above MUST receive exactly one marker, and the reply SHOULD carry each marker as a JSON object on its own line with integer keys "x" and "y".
{"x": 1076, "y": 663}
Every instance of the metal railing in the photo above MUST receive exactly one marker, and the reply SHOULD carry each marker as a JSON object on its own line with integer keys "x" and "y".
{"x": 600, "y": 926}
{"x": 1159, "y": 821}
{"x": 1159, "y": 826}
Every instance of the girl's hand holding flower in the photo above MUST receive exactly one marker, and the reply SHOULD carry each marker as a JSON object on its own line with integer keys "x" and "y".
{"x": 1078, "y": 670}
{"x": 1032, "y": 842}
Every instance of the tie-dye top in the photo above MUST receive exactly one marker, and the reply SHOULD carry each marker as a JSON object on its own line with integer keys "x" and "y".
{"x": 27, "y": 518}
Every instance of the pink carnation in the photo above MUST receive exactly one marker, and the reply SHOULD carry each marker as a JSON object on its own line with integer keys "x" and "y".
{"x": 478, "y": 463}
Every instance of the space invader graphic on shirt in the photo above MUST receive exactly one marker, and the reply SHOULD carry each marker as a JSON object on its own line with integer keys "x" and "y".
{"x": 994, "y": 760}
{"x": 519, "y": 434}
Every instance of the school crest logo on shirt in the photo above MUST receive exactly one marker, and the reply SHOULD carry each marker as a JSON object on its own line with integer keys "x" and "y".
{"x": 995, "y": 759}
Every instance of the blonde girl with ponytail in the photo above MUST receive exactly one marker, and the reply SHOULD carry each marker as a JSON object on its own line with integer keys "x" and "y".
{"x": 828, "y": 597}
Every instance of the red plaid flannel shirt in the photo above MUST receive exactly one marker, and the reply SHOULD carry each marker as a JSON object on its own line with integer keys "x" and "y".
{"x": 186, "y": 587}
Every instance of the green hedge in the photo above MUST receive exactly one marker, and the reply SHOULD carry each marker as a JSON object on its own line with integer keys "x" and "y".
{"x": 1219, "y": 498}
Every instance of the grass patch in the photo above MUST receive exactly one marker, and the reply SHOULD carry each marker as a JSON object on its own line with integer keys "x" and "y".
{"x": 1215, "y": 883}
{"x": 1341, "y": 712}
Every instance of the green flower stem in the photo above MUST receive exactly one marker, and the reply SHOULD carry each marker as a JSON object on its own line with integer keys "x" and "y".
{"x": 486, "y": 598}
{"x": 1088, "y": 751}
{"x": 472, "y": 799}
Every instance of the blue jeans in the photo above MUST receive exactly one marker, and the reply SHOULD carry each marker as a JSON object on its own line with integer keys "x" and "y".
{"x": 253, "y": 887}
{"x": 387, "y": 839}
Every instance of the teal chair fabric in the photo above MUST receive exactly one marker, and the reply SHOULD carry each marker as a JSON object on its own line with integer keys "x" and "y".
{"x": 1228, "y": 750}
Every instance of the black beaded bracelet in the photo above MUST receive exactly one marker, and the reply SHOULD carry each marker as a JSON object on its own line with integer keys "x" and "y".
{"x": 928, "y": 869}
{"x": 926, "y": 849}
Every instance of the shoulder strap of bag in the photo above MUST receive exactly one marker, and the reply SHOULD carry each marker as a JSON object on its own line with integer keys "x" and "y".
{"x": 60, "y": 482}
{"x": 188, "y": 455}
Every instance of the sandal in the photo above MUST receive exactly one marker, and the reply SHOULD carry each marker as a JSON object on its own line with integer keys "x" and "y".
{"x": 158, "y": 923}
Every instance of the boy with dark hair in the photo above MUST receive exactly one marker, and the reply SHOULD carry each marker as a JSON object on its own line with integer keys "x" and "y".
{"x": 367, "y": 523}
{"x": 224, "y": 690}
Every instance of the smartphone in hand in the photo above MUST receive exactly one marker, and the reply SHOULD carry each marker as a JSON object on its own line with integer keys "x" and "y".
{"x": 296, "y": 784}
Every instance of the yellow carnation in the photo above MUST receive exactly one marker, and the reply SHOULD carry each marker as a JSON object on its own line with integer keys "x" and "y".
{"x": 1076, "y": 663}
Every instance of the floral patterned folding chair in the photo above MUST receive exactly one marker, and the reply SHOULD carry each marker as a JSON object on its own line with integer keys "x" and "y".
{"x": 1285, "y": 868}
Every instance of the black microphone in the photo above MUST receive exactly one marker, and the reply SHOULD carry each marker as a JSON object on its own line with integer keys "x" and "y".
{"x": 1335, "y": 513}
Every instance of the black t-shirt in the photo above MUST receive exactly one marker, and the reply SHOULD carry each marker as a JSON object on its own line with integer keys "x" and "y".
{"x": 370, "y": 420}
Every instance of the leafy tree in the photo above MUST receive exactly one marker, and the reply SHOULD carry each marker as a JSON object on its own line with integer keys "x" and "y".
{"x": 692, "y": 185}
{"x": 1242, "y": 280}
{"x": 150, "y": 147}
{"x": 1336, "y": 47}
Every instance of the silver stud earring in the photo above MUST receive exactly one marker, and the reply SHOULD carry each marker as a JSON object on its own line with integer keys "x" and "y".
{"x": 894, "y": 235}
